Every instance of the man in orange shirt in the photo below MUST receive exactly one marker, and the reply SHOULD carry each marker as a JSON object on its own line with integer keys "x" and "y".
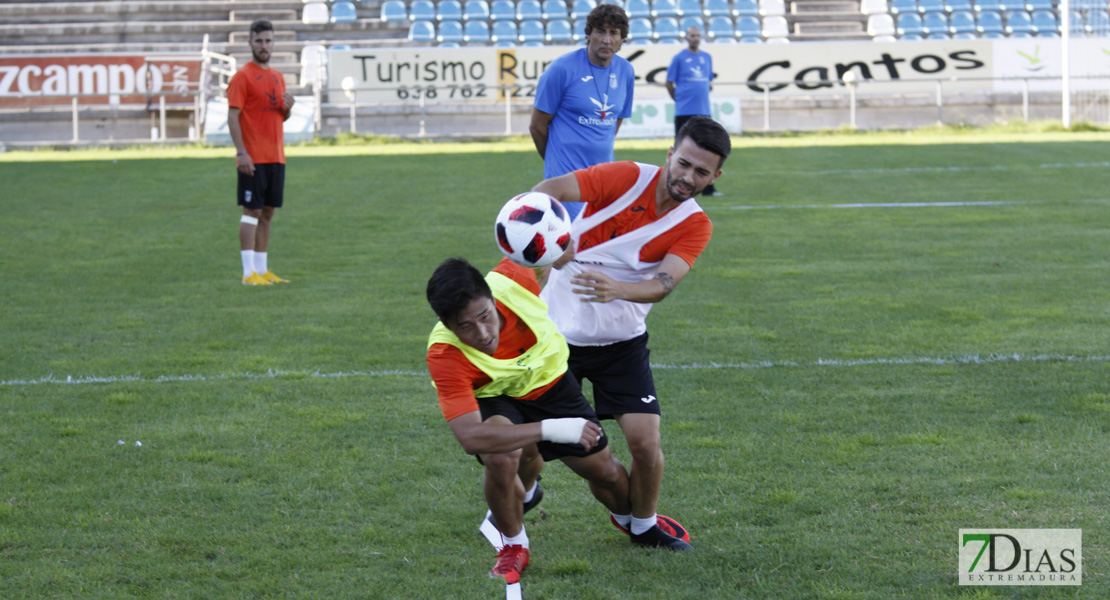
{"x": 500, "y": 371}
{"x": 636, "y": 239}
{"x": 258, "y": 105}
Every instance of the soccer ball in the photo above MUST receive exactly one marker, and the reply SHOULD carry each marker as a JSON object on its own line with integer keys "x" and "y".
{"x": 533, "y": 229}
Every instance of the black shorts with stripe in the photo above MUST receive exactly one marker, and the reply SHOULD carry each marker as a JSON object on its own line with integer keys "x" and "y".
{"x": 620, "y": 374}
{"x": 265, "y": 188}
{"x": 563, "y": 400}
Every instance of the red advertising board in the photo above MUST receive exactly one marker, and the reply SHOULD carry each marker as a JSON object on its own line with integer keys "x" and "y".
{"x": 115, "y": 79}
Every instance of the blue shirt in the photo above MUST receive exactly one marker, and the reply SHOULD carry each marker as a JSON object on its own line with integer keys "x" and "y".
{"x": 586, "y": 101}
{"x": 691, "y": 74}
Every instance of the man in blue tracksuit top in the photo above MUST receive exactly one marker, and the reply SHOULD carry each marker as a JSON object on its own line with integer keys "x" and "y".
{"x": 583, "y": 96}
{"x": 689, "y": 79}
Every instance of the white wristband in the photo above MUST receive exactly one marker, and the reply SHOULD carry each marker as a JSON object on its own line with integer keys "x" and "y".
{"x": 562, "y": 431}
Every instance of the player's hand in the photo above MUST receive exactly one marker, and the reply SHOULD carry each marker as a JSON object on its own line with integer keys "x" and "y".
{"x": 591, "y": 435}
{"x": 565, "y": 258}
{"x": 245, "y": 165}
{"x": 595, "y": 286}
{"x": 287, "y": 98}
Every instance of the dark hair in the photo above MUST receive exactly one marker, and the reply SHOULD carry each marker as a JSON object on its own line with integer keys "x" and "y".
{"x": 453, "y": 286}
{"x": 708, "y": 135}
{"x": 261, "y": 25}
{"x": 604, "y": 16}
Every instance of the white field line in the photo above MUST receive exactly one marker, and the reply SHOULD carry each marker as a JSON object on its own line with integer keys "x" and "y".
{"x": 970, "y": 359}
{"x": 950, "y": 169}
{"x": 879, "y": 205}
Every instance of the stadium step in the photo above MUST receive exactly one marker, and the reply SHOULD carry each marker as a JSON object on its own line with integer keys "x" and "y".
{"x": 802, "y": 7}
{"x": 828, "y": 27}
{"x": 249, "y": 16}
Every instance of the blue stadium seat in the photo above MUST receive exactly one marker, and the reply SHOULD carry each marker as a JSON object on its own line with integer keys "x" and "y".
{"x": 450, "y": 32}
{"x": 939, "y": 36}
{"x": 967, "y": 35}
{"x": 555, "y": 9}
{"x": 989, "y": 22}
{"x": 692, "y": 21}
{"x": 998, "y": 6}
{"x": 935, "y": 23}
{"x": 928, "y": 6}
{"x": 669, "y": 41}
{"x": 720, "y": 8}
{"x": 449, "y": 10}
{"x": 529, "y": 10}
{"x": 912, "y": 37}
{"x": 957, "y": 5}
{"x": 962, "y": 22}
{"x": 343, "y": 12}
{"x": 476, "y": 10}
{"x": 747, "y": 27}
{"x": 721, "y": 27}
{"x": 581, "y": 9}
{"x": 910, "y": 24}
{"x": 531, "y": 31}
{"x": 422, "y": 31}
{"x": 898, "y": 7}
{"x": 619, "y": 3}
{"x": 1076, "y": 23}
{"x": 667, "y": 28}
{"x": 504, "y": 31}
{"x": 1097, "y": 22}
{"x": 394, "y": 10}
{"x": 502, "y": 10}
{"x": 1032, "y": 5}
{"x": 746, "y": 40}
{"x": 664, "y": 8}
{"x": 1019, "y": 21}
{"x": 558, "y": 30}
{"x": 422, "y": 10}
{"x": 1044, "y": 21}
{"x": 688, "y": 8}
{"x": 639, "y": 29}
{"x": 1089, "y": 4}
{"x": 578, "y": 30}
{"x": 476, "y": 32}
{"x": 638, "y": 9}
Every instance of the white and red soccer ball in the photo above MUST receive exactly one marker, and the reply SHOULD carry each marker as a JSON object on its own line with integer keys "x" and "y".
{"x": 533, "y": 229}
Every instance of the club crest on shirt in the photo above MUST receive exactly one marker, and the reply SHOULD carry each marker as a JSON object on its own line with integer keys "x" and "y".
{"x": 613, "y": 80}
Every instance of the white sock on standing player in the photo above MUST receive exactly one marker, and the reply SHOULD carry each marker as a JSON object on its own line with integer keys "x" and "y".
{"x": 248, "y": 262}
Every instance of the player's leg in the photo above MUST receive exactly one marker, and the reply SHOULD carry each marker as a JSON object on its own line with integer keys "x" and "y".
{"x": 504, "y": 495}
{"x": 531, "y": 463}
{"x": 248, "y": 197}
{"x": 606, "y": 476}
{"x": 641, "y": 431}
{"x": 274, "y": 185}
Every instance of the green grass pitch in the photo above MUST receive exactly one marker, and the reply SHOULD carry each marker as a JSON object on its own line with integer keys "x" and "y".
{"x": 845, "y": 383}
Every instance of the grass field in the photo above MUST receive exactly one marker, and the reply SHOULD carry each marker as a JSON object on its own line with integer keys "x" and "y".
{"x": 845, "y": 383}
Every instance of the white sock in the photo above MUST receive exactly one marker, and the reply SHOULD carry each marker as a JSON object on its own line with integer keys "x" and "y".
{"x": 520, "y": 539}
{"x": 530, "y": 493}
{"x": 260, "y": 263}
{"x": 248, "y": 262}
{"x": 639, "y": 526}
{"x": 622, "y": 520}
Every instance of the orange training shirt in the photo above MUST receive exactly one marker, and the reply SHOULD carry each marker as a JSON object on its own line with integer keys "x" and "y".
{"x": 257, "y": 93}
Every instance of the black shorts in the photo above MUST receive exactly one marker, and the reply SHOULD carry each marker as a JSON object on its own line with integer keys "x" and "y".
{"x": 264, "y": 188}
{"x": 563, "y": 400}
{"x": 620, "y": 374}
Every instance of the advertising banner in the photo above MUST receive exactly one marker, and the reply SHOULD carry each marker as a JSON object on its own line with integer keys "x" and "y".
{"x": 116, "y": 79}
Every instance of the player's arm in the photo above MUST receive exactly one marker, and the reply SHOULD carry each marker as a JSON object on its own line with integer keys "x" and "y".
{"x": 243, "y": 161}
{"x": 670, "y": 89}
{"x": 594, "y": 286}
{"x": 484, "y": 437}
{"x": 539, "y": 127}
{"x": 288, "y": 100}
{"x": 618, "y": 129}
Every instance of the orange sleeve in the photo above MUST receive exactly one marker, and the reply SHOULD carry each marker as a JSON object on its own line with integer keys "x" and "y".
{"x": 603, "y": 183}
{"x": 524, "y": 276}
{"x": 455, "y": 379}
{"x": 687, "y": 240}
{"x": 237, "y": 91}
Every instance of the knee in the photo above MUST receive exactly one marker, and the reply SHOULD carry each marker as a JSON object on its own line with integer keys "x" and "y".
{"x": 646, "y": 450}
{"x": 502, "y": 466}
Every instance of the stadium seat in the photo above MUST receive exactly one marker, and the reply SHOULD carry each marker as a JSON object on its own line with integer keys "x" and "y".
{"x": 720, "y": 8}
{"x": 691, "y": 21}
{"x": 928, "y": 6}
{"x": 313, "y": 59}
{"x": 581, "y": 9}
{"x": 502, "y": 10}
{"x": 748, "y": 27}
{"x": 315, "y": 13}
{"x": 989, "y": 22}
{"x": 1019, "y": 21}
{"x": 422, "y": 31}
{"x": 1044, "y": 21}
{"x": 450, "y": 32}
{"x": 619, "y": 3}
{"x": 504, "y": 31}
{"x": 913, "y": 37}
{"x": 1032, "y": 5}
{"x": 1097, "y": 22}
{"x": 639, "y": 29}
{"x": 884, "y": 38}
{"x": 338, "y": 47}
{"x": 476, "y": 10}
{"x": 422, "y": 10}
{"x": 939, "y": 36}
{"x": 667, "y": 28}
{"x": 880, "y": 24}
{"x": 343, "y": 12}
{"x": 965, "y": 36}
{"x": 952, "y": 6}
{"x": 746, "y": 40}
{"x": 874, "y": 7}
{"x": 558, "y": 30}
{"x": 745, "y": 8}
{"x": 638, "y": 9}
{"x": 1076, "y": 23}
{"x": 775, "y": 26}
{"x": 909, "y": 24}
{"x": 898, "y": 7}
{"x": 690, "y": 8}
{"x": 962, "y": 22}
{"x": 476, "y": 32}
{"x": 449, "y": 10}
{"x": 578, "y": 29}
{"x": 772, "y": 8}
{"x": 721, "y": 27}
{"x": 529, "y": 10}
{"x": 995, "y": 5}
{"x": 394, "y": 10}
{"x": 664, "y": 8}
{"x": 531, "y": 31}
{"x": 935, "y": 23}
{"x": 555, "y": 9}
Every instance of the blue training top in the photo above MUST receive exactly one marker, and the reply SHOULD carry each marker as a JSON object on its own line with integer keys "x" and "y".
{"x": 691, "y": 74}
{"x": 586, "y": 101}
